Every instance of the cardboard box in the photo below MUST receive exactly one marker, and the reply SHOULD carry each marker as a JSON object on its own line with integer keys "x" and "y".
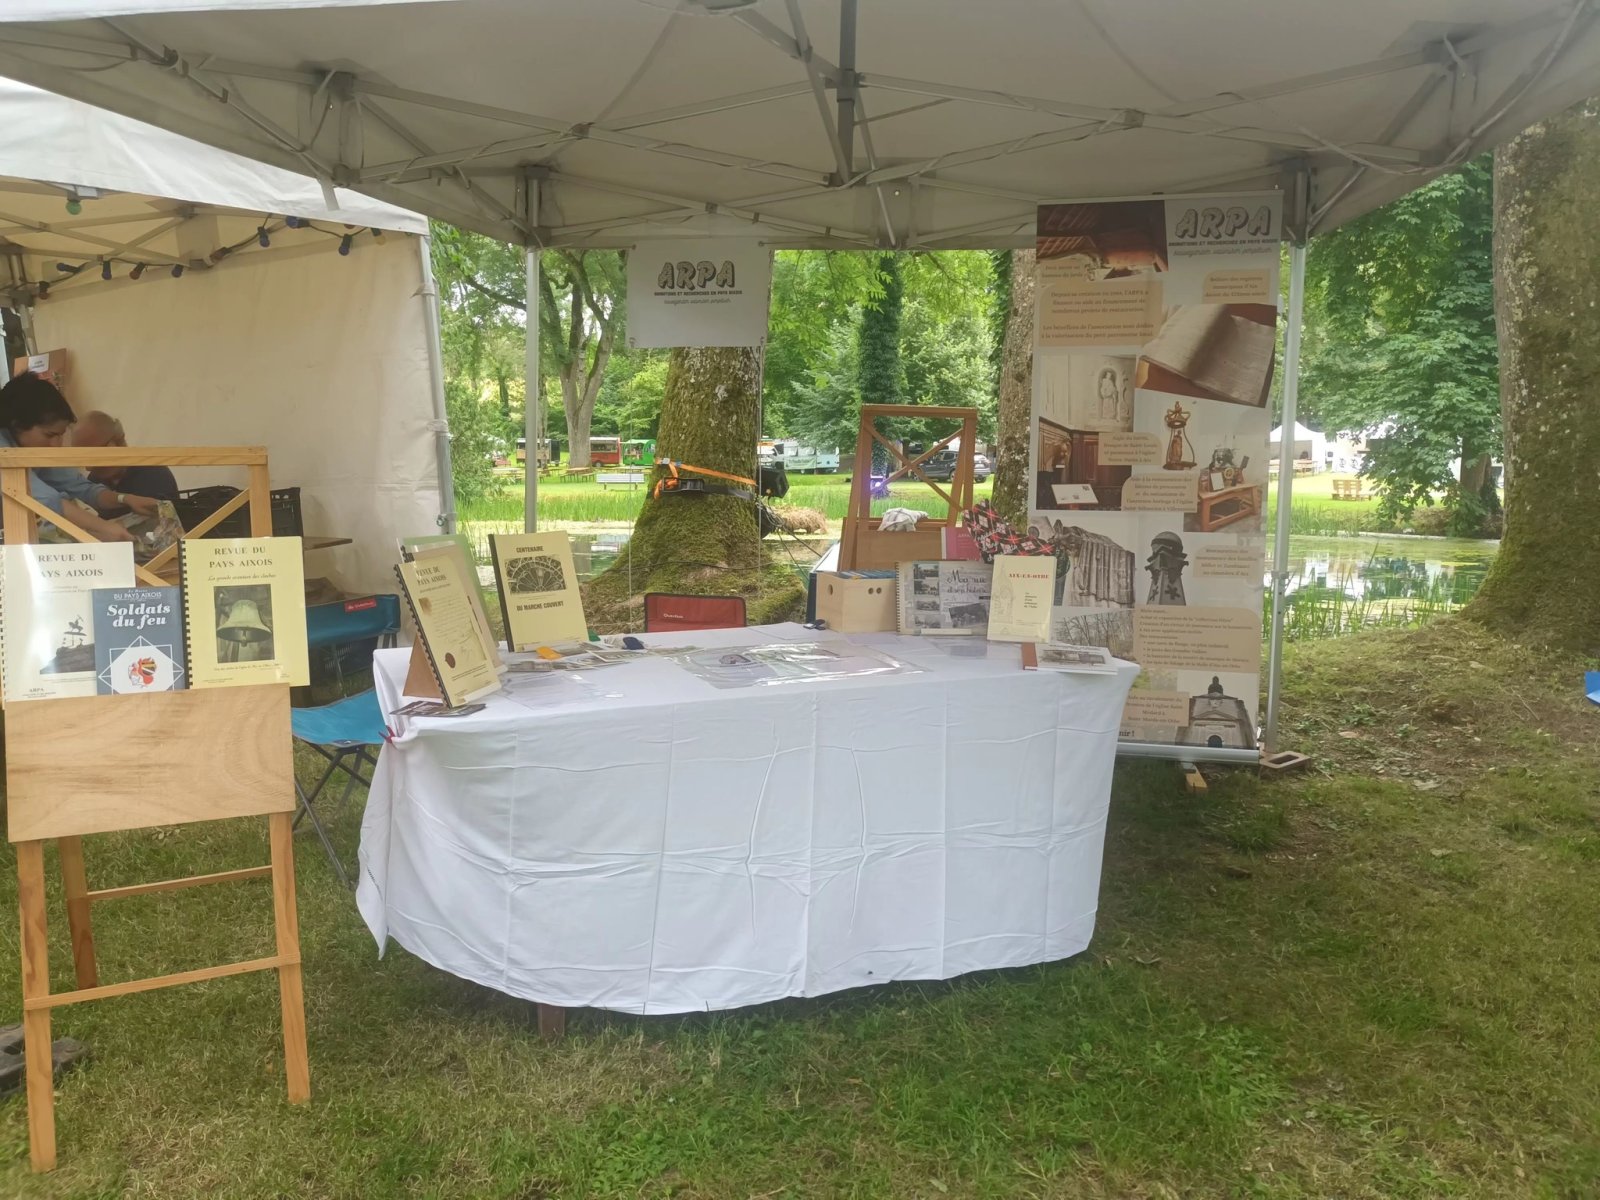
{"x": 858, "y": 601}
{"x": 51, "y": 365}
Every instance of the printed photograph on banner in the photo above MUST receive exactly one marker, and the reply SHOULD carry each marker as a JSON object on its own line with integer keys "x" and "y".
{"x": 1108, "y": 627}
{"x": 1171, "y": 574}
{"x": 1215, "y": 351}
{"x": 1068, "y": 472}
{"x": 1223, "y": 249}
{"x": 1099, "y": 274}
{"x": 1095, "y": 558}
{"x": 1212, "y": 466}
{"x": 1192, "y": 708}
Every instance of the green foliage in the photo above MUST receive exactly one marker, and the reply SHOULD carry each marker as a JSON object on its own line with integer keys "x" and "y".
{"x": 878, "y": 371}
{"x": 1400, "y": 335}
{"x": 826, "y": 404}
{"x": 475, "y": 436}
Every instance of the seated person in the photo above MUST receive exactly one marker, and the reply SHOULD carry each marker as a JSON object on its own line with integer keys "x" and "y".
{"x": 97, "y": 429}
{"x": 34, "y": 416}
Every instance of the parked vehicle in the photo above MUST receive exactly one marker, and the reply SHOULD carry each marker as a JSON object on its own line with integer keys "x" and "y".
{"x": 640, "y": 452}
{"x": 605, "y": 451}
{"x": 798, "y": 459}
{"x": 941, "y": 468}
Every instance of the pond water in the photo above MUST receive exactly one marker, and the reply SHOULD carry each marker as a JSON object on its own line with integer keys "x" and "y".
{"x": 1338, "y": 584}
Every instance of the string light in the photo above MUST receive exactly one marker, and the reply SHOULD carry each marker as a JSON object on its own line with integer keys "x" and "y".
{"x": 377, "y": 236}
{"x": 262, "y": 239}
{"x": 69, "y": 268}
{"x": 105, "y": 269}
{"x": 74, "y": 206}
{"x": 44, "y": 289}
{"x": 138, "y": 270}
{"x": 217, "y": 255}
{"x": 294, "y": 222}
{"x": 345, "y": 243}
{"x": 177, "y": 271}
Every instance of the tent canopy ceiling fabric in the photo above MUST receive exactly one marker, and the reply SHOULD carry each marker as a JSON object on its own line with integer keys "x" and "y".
{"x": 848, "y": 123}
{"x": 146, "y": 195}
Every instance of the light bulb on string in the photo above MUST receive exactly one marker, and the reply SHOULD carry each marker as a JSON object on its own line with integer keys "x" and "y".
{"x": 69, "y": 268}
{"x": 105, "y": 270}
{"x": 138, "y": 270}
{"x": 345, "y": 243}
{"x": 293, "y": 222}
{"x": 177, "y": 271}
{"x": 377, "y": 236}
{"x": 262, "y": 239}
{"x": 44, "y": 290}
{"x": 217, "y": 255}
{"x": 74, "y": 206}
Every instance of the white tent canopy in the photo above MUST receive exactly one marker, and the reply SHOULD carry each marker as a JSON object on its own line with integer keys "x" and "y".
{"x": 1304, "y": 444}
{"x": 329, "y": 360}
{"x": 913, "y": 123}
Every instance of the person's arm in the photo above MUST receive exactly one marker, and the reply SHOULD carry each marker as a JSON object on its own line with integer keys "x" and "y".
{"x": 43, "y": 489}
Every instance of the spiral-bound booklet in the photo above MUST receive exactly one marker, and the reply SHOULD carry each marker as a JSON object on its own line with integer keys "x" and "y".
{"x": 245, "y": 601}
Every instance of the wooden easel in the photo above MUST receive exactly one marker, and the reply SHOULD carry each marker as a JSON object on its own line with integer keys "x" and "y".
{"x": 227, "y": 753}
{"x": 864, "y": 546}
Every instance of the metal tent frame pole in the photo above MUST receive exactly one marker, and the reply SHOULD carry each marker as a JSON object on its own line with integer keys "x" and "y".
{"x": 1280, "y": 550}
{"x": 530, "y": 370}
{"x": 441, "y": 420}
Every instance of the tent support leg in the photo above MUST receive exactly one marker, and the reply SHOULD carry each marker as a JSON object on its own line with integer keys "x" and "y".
{"x": 1280, "y": 549}
{"x": 441, "y": 418}
{"x": 530, "y": 394}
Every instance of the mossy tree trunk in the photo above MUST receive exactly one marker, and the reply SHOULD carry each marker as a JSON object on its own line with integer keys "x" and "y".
{"x": 1543, "y": 585}
{"x": 1011, "y": 484}
{"x": 701, "y": 544}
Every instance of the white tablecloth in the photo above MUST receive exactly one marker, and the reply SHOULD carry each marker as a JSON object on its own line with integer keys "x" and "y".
{"x": 633, "y": 838}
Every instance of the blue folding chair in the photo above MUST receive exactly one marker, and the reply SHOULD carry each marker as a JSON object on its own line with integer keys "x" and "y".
{"x": 344, "y": 733}
{"x": 350, "y": 630}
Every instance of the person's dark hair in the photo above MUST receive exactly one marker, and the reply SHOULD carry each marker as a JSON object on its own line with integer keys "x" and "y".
{"x": 28, "y": 401}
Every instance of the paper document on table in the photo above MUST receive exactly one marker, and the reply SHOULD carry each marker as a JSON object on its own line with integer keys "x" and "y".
{"x": 1024, "y": 589}
{"x": 788, "y": 662}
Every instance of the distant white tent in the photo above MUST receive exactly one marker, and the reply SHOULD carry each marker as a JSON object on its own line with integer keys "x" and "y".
{"x": 1307, "y": 445}
{"x": 140, "y": 253}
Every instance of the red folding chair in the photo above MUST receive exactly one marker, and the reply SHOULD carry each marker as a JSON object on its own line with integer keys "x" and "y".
{"x": 670, "y": 611}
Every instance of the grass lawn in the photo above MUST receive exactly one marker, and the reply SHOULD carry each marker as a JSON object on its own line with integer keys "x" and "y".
{"x": 1376, "y": 979}
{"x": 563, "y": 502}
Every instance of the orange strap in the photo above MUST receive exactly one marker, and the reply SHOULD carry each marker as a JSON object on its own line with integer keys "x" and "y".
{"x": 675, "y": 467}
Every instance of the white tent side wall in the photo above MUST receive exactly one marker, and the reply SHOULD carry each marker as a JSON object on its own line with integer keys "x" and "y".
{"x": 321, "y": 358}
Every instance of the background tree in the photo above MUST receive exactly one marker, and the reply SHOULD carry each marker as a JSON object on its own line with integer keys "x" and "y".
{"x": 1401, "y": 339}
{"x": 710, "y": 544}
{"x": 1542, "y": 585}
{"x": 1011, "y": 482}
{"x": 484, "y": 285}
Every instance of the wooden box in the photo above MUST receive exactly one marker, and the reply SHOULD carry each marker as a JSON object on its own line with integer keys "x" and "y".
{"x": 857, "y": 602}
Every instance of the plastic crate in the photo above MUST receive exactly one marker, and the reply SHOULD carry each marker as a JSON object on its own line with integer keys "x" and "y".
{"x": 196, "y": 504}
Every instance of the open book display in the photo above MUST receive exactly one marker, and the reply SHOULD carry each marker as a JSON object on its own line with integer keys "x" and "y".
{"x": 1221, "y": 354}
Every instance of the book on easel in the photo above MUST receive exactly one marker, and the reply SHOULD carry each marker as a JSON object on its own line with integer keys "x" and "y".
{"x": 138, "y": 640}
{"x": 538, "y": 588}
{"x": 1224, "y": 355}
{"x": 245, "y": 611}
{"x": 47, "y": 596}
{"x": 454, "y": 547}
{"x": 448, "y": 661}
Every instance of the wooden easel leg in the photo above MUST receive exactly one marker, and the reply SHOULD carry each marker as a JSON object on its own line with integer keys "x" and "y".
{"x": 75, "y": 883}
{"x": 296, "y": 1066}
{"x": 36, "y": 1021}
{"x": 552, "y": 1022}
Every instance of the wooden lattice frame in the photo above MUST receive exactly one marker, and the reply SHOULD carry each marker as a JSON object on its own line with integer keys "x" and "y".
{"x": 228, "y": 753}
{"x": 863, "y": 545}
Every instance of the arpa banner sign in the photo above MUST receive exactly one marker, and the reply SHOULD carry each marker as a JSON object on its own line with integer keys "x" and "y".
{"x": 707, "y": 292}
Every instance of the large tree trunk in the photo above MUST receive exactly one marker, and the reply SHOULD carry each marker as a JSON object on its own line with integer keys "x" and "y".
{"x": 1011, "y": 484}
{"x": 706, "y": 544}
{"x": 1542, "y": 587}
{"x": 579, "y": 417}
